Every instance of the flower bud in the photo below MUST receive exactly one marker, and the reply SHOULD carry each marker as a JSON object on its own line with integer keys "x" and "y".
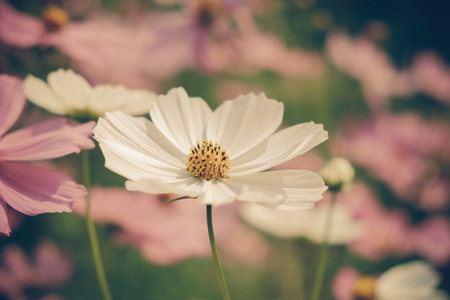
{"x": 338, "y": 174}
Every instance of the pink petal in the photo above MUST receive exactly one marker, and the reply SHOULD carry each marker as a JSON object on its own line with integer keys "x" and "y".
{"x": 34, "y": 190}
{"x": 16, "y": 262}
{"x": 12, "y": 100}
{"x": 53, "y": 266}
{"x": 4, "y": 224}
{"x": 432, "y": 240}
{"x": 46, "y": 140}
{"x": 18, "y": 29}
{"x": 343, "y": 283}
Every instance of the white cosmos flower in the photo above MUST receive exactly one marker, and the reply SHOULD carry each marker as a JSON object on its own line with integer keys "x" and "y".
{"x": 416, "y": 280}
{"x": 68, "y": 93}
{"x": 238, "y": 143}
{"x": 309, "y": 224}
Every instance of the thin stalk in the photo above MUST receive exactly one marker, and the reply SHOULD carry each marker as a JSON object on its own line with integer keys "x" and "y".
{"x": 323, "y": 256}
{"x": 92, "y": 231}
{"x": 212, "y": 240}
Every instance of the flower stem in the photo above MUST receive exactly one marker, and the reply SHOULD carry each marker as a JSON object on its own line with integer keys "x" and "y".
{"x": 323, "y": 256}
{"x": 92, "y": 231}
{"x": 222, "y": 282}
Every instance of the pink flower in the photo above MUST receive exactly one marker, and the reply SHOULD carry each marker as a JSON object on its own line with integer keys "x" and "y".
{"x": 256, "y": 50}
{"x": 343, "y": 283}
{"x": 107, "y": 49}
{"x": 386, "y": 232}
{"x": 390, "y": 232}
{"x": 51, "y": 267}
{"x": 213, "y": 36}
{"x": 29, "y": 189}
{"x": 19, "y": 29}
{"x": 432, "y": 240}
{"x": 225, "y": 37}
{"x": 431, "y": 75}
{"x": 406, "y": 152}
{"x": 364, "y": 61}
{"x": 166, "y": 234}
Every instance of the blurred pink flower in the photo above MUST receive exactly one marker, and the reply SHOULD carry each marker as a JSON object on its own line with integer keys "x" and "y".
{"x": 51, "y": 267}
{"x": 432, "y": 240}
{"x": 405, "y": 151}
{"x": 166, "y": 234}
{"x": 431, "y": 75}
{"x": 19, "y": 29}
{"x": 343, "y": 283}
{"x": 214, "y": 36}
{"x": 364, "y": 61}
{"x": 390, "y": 232}
{"x": 226, "y": 38}
{"x": 22, "y": 30}
{"x": 386, "y": 232}
{"x": 29, "y": 189}
{"x": 107, "y": 49}
{"x": 257, "y": 51}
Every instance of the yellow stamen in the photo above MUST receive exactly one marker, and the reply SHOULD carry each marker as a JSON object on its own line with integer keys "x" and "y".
{"x": 364, "y": 288}
{"x": 208, "y": 161}
{"x": 55, "y": 17}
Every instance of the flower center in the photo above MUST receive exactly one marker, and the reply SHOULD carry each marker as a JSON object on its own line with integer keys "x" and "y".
{"x": 207, "y": 11}
{"x": 364, "y": 288}
{"x": 206, "y": 160}
{"x": 55, "y": 17}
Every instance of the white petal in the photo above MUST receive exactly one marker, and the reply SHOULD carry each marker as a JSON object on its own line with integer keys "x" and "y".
{"x": 413, "y": 274}
{"x": 278, "y": 148}
{"x": 286, "y": 189}
{"x": 309, "y": 223}
{"x": 254, "y": 190}
{"x": 133, "y": 164}
{"x": 239, "y": 125}
{"x": 70, "y": 88}
{"x": 185, "y": 185}
{"x": 111, "y": 98}
{"x": 39, "y": 93}
{"x": 284, "y": 224}
{"x": 435, "y": 295}
{"x": 414, "y": 280}
{"x": 182, "y": 119}
{"x": 217, "y": 193}
{"x": 134, "y": 147}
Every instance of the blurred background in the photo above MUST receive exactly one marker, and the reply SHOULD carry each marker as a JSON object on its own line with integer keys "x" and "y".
{"x": 375, "y": 73}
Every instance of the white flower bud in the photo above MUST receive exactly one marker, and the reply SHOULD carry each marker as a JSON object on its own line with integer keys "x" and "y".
{"x": 338, "y": 173}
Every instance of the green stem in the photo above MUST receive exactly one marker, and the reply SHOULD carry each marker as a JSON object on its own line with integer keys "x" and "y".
{"x": 222, "y": 282}
{"x": 323, "y": 256}
{"x": 92, "y": 232}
